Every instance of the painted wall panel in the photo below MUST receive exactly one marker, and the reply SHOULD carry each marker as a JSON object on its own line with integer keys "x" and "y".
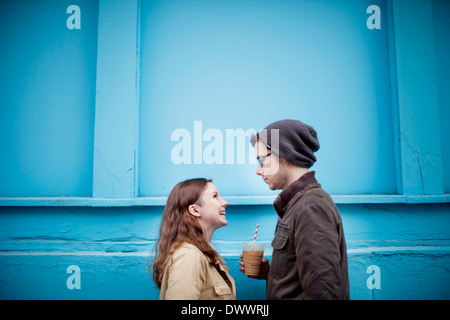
{"x": 116, "y": 108}
{"x": 418, "y": 102}
{"x": 243, "y": 64}
{"x": 441, "y": 26}
{"x": 48, "y": 93}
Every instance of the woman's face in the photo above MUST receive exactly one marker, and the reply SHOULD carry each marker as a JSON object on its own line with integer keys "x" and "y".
{"x": 211, "y": 208}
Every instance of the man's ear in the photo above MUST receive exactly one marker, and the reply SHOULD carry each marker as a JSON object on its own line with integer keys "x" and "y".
{"x": 193, "y": 210}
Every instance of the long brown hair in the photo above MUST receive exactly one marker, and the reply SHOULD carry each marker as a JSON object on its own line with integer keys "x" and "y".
{"x": 178, "y": 226}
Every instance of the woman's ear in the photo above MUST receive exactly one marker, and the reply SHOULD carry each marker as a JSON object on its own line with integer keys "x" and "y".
{"x": 194, "y": 211}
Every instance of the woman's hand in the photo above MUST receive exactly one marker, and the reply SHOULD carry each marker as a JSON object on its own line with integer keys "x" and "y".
{"x": 263, "y": 273}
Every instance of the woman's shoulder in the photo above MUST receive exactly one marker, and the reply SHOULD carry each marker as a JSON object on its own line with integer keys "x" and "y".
{"x": 188, "y": 251}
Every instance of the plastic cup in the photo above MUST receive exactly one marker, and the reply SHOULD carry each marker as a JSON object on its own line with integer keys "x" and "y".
{"x": 252, "y": 255}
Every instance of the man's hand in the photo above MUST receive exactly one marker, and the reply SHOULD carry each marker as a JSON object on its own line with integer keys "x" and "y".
{"x": 264, "y": 272}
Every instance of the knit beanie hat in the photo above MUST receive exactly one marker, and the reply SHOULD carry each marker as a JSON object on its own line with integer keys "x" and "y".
{"x": 296, "y": 143}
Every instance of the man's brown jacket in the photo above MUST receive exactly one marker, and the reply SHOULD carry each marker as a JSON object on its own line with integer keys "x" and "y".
{"x": 309, "y": 259}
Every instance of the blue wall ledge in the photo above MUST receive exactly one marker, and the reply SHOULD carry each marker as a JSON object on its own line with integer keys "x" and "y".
{"x": 232, "y": 200}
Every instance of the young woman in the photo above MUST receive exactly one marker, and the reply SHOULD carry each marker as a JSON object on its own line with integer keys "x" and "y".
{"x": 186, "y": 266}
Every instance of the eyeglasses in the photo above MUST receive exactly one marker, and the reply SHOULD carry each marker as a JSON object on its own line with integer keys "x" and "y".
{"x": 261, "y": 159}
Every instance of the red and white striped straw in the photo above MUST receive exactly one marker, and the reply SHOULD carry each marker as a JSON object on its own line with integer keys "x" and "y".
{"x": 256, "y": 232}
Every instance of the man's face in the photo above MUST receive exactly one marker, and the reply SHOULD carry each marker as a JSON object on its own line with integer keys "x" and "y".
{"x": 269, "y": 168}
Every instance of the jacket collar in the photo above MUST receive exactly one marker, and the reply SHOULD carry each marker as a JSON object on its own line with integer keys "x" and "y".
{"x": 287, "y": 194}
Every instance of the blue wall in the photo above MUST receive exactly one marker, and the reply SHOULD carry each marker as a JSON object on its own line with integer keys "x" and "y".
{"x": 213, "y": 60}
{"x": 107, "y": 105}
{"x": 48, "y": 99}
{"x": 113, "y": 246}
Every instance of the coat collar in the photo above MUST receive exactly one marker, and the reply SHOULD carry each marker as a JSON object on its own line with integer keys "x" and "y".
{"x": 287, "y": 194}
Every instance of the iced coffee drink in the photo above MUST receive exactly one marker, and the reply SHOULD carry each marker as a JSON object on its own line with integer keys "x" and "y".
{"x": 252, "y": 255}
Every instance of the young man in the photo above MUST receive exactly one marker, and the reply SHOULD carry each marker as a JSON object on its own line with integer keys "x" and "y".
{"x": 309, "y": 259}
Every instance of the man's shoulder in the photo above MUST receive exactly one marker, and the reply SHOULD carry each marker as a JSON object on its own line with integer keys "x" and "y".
{"x": 313, "y": 200}
{"x": 314, "y": 194}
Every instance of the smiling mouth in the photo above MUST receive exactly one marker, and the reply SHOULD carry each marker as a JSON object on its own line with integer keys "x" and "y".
{"x": 222, "y": 213}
